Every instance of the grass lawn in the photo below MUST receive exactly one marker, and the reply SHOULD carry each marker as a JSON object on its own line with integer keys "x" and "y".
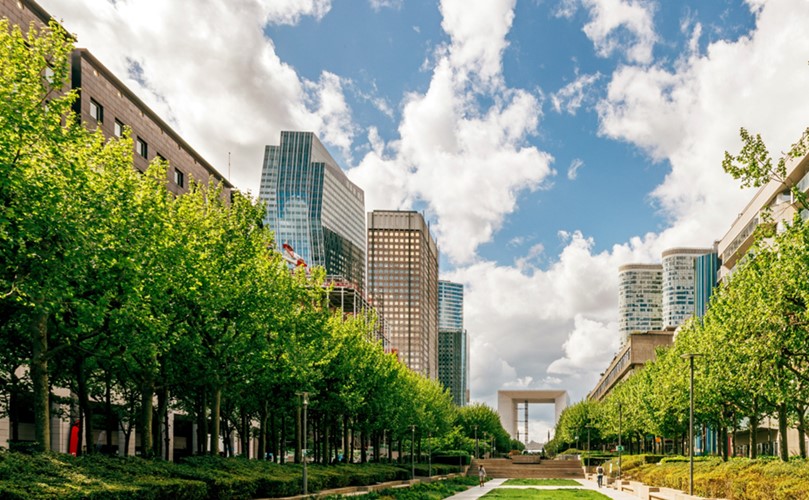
{"x": 571, "y": 494}
{"x": 541, "y": 482}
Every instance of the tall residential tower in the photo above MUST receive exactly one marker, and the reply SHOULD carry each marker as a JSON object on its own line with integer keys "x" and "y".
{"x": 453, "y": 345}
{"x": 639, "y": 299}
{"x": 403, "y": 285}
{"x": 313, "y": 207}
{"x": 678, "y": 284}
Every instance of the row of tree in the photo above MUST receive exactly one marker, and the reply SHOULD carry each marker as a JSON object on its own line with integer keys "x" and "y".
{"x": 141, "y": 301}
{"x": 752, "y": 346}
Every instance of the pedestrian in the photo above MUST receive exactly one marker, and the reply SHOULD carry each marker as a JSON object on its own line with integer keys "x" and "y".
{"x": 481, "y": 474}
{"x": 600, "y": 475}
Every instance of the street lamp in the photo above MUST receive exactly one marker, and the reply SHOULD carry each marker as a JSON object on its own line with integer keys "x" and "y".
{"x": 690, "y": 357}
{"x": 305, "y": 400}
{"x": 620, "y": 448}
{"x": 412, "y": 463}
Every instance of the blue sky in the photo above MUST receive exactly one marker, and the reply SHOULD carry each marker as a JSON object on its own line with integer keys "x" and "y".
{"x": 548, "y": 142}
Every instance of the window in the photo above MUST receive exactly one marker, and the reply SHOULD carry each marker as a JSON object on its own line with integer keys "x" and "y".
{"x": 141, "y": 147}
{"x": 118, "y": 130}
{"x": 179, "y": 178}
{"x": 96, "y": 111}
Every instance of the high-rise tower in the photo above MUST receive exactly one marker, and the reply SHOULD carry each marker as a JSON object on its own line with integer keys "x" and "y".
{"x": 678, "y": 284}
{"x": 453, "y": 345}
{"x": 403, "y": 285}
{"x": 639, "y": 299}
{"x": 313, "y": 207}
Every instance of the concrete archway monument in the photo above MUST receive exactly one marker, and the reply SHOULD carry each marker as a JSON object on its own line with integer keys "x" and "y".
{"x": 511, "y": 405}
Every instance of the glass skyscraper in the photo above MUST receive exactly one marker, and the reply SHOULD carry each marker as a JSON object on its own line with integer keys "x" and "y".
{"x": 706, "y": 272}
{"x": 313, "y": 207}
{"x": 453, "y": 345}
{"x": 678, "y": 284}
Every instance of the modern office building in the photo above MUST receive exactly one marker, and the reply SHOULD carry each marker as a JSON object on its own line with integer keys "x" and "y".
{"x": 313, "y": 207}
{"x": 639, "y": 349}
{"x": 640, "y": 299}
{"x": 403, "y": 285}
{"x": 706, "y": 275}
{"x": 678, "y": 284}
{"x": 777, "y": 200}
{"x": 453, "y": 345}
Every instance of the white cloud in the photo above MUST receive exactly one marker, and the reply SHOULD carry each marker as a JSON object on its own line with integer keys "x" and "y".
{"x": 573, "y": 169}
{"x": 378, "y": 5}
{"x": 622, "y": 25}
{"x": 590, "y": 344}
{"x": 449, "y": 146}
{"x": 291, "y": 11}
{"x": 570, "y": 97}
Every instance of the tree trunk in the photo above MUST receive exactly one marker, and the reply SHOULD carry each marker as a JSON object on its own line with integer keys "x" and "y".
{"x": 216, "y": 420}
{"x": 40, "y": 382}
{"x": 783, "y": 429}
{"x": 146, "y": 416}
{"x": 85, "y": 412}
{"x": 752, "y": 437}
{"x": 14, "y": 405}
{"x": 244, "y": 433}
{"x": 802, "y": 431}
{"x": 723, "y": 442}
{"x": 262, "y": 431}
{"x": 161, "y": 429}
{"x": 109, "y": 426}
{"x": 202, "y": 423}
{"x": 282, "y": 448}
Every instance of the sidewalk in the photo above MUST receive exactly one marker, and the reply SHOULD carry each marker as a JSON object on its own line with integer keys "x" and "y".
{"x": 477, "y": 491}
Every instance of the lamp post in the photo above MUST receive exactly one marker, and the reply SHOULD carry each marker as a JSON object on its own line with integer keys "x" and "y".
{"x": 305, "y": 402}
{"x": 476, "y": 442}
{"x": 620, "y": 448}
{"x": 690, "y": 357}
{"x": 412, "y": 462}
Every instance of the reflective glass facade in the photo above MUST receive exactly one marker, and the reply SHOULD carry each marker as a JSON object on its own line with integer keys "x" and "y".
{"x": 453, "y": 345}
{"x": 706, "y": 272}
{"x": 678, "y": 285}
{"x": 313, "y": 207}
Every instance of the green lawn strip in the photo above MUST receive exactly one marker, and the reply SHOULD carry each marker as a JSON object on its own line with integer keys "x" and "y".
{"x": 421, "y": 491}
{"x": 541, "y": 482}
{"x": 528, "y": 493}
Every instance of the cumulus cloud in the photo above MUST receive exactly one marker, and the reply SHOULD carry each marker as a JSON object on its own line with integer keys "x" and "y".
{"x": 571, "y": 97}
{"x": 590, "y": 344}
{"x": 291, "y": 11}
{"x": 449, "y": 146}
{"x": 378, "y": 5}
{"x": 625, "y": 26}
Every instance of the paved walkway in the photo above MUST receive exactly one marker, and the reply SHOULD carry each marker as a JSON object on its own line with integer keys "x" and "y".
{"x": 477, "y": 491}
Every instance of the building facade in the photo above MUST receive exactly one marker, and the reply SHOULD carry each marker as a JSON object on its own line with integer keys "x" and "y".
{"x": 313, "y": 207}
{"x": 403, "y": 285}
{"x": 706, "y": 275}
{"x": 640, "y": 299}
{"x": 679, "y": 284}
{"x": 453, "y": 344}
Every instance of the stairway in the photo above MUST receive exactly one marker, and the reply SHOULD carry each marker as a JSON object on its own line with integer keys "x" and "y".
{"x": 546, "y": 469}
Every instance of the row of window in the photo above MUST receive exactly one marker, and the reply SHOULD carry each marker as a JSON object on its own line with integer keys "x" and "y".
{"x": 141, "y": 146}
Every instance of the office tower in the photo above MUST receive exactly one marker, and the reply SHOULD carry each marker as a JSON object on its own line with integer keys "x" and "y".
{"x": 403, "y": 285}
{"x": 678, "y": 284}
{"x": 453, "y": 346}
{"x": 313, "y": 208}
{"x": 639, "y": 299}
{"x": 706, "y": 275}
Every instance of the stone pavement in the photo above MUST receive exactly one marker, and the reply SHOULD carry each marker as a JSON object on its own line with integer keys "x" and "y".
{"x": 477, "y": 491}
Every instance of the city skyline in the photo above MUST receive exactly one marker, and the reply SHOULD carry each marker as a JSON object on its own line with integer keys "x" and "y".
{"x": 542, "y": 166}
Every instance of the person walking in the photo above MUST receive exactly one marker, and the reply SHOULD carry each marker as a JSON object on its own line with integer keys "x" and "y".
{"x": 481, "y": 474}
{"x": 600, "y": 475}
